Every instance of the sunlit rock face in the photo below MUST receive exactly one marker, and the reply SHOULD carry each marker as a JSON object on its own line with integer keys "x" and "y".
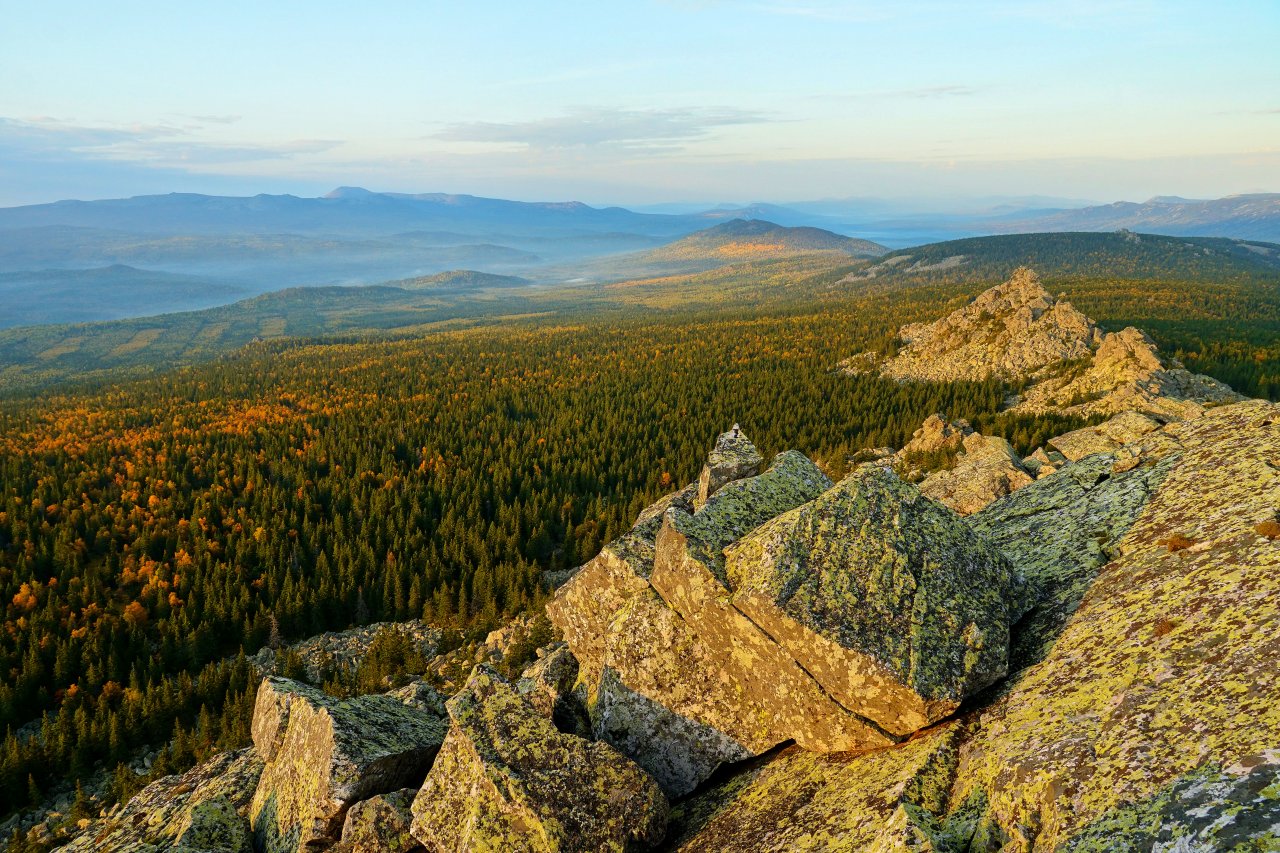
{"x": 323, "y": 755}
{"x": 1018, "y": 331}
{"x": 507, "y": 779}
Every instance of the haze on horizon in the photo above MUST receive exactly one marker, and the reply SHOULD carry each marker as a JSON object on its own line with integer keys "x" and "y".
{"x": 647, "y": 102}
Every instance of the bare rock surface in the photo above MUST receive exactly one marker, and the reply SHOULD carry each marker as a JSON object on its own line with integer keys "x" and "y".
{"x": 507, "y": 779}
{"x": 988, "y": 468}
{"x": 326, "y": 754}
{"x": 1142, "y": 715}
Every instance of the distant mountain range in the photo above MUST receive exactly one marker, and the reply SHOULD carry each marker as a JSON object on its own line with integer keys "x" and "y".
{"x": 115, "y": 258}
{"x": 1248, "y": 217}
{"x": 1163, "y": 274}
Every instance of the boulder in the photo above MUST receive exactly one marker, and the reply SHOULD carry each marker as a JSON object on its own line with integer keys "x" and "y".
{"x": 987, "y": 469}
{"x": 680, "y": 705}
{"x": 327, "y": 754}
{"x": 736, "y": 508}
{"x": 584, "y": 606}
{"x": 380, "y": 824}
{"x": 882, "y": 801}
{"x": 885, "y": 597}
{"x": 548, "y": 685}
{"x": 203, "y": 809}
{"x": 507, "y": 779}
{"x": 733, "y": 458}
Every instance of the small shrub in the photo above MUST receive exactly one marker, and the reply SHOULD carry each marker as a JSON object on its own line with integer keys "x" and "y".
{"x": 1177, "y": 542}
{"x": 1269, "y": 529}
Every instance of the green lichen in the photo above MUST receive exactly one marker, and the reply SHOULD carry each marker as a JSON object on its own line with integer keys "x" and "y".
{"x": 507, "y": 780}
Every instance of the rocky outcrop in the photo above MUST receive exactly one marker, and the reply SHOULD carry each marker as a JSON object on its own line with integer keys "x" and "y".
{"x": 988, "y": 469}
{"x": 1016, "y": 331}
{"x": 960, "y": 468}
{"x": 344, "y": 649}
{"x": 380, "y": 824}
{"x": 204, "y": 809}
{"x": 1139, "y": 715}
{"x": 1106, "y": 437}
{"x": 843, "y": 618}
{"x": 507, "y": 779}
{"x": 323, "y": 754}
{"x": 733, "y": 458}
{"x": 886, "y": 598}
{"x": 798, "y": 800}
{"x": 1011, "y": 331}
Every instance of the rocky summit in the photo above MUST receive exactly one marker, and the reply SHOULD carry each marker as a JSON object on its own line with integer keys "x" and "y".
{"x": 1017, "y": 331}
{"x": 949, "y": 649}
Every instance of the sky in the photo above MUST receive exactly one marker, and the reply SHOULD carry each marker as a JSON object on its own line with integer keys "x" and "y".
{"x": 640, "y": 102}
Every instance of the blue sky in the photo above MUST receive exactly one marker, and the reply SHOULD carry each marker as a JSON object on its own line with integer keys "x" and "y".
{"x": 641, "y": 102}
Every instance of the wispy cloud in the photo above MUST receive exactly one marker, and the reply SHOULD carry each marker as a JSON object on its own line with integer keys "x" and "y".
{"x": 51, "y": 139}
{"x": 591, "y": 127}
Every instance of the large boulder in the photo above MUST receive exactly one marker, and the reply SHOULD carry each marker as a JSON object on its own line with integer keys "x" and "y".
{"x": 733, "y": 458}
{"x": 507, "y": 779}
{"x": 204, "y": 809}
{"x": 326, "y": 754}
{"x": 681, "y": 703}
{"x": 884, "y": 596}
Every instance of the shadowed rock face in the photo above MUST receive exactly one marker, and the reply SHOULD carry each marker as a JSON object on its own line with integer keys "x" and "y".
{"x": 885, "y": 597}
{"x": 379, "y": 824}
{"x": 326, "y": 754}
{"x": 203, "y": 809}
{"x": 506, "y": 779}
{"x": 548, "y": 686}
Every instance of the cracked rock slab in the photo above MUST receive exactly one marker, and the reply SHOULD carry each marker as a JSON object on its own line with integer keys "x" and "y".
{"x": 884, "y": 596}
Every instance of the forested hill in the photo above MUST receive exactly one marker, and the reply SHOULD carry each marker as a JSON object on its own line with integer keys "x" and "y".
{"x": 759, "y": 237}
{"x": 1078, "y": 255}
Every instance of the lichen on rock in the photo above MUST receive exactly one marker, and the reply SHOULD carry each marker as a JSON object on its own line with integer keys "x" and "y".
{"x": 380, "y": 824}
{"x": 204, "y": 809}
{"x": 326, "y": 754}
{"x": 884, "y": 596}
{"x": 507, "y": 779}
